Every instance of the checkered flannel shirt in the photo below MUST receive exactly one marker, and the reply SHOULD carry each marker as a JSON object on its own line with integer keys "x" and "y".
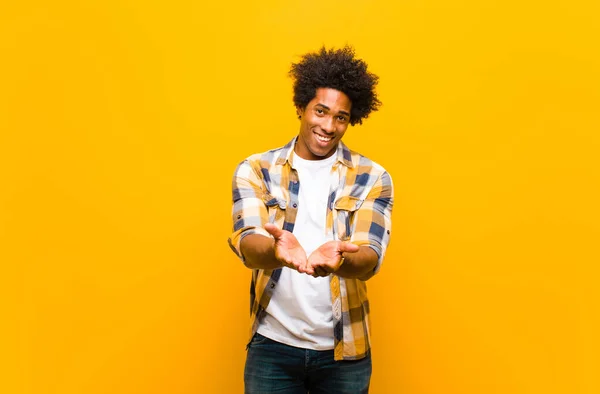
{"x": 265, "y": 189}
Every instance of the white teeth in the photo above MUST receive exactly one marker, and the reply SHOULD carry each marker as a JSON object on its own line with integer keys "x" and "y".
{"x": 324, "y": 139}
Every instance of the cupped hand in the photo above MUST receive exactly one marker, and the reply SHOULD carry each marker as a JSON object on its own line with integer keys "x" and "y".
{"x": 327, "y": 258}
{"x": 288, "y": 250}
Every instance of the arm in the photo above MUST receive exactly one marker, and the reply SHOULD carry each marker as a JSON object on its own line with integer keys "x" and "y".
{"x": 360, "y": 265}
{"x": 372, "y": 223}
{"x": 258, "y": 252}
{"x": 370, "y": 237}
{"x": 258, "y": 243}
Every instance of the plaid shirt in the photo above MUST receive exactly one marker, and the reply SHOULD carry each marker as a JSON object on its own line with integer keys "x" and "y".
{"x": 265, "y": 189}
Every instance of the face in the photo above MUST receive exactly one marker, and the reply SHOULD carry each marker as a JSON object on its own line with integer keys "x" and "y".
{"x": 322, "y": 124}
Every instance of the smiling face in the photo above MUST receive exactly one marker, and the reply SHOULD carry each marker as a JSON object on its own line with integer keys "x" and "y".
{"x": 322, "y": 124}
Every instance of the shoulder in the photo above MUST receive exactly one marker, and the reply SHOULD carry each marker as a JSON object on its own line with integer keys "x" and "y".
{"x": 264, "y": 162}
{"x": 265, "y": 158}
{"x": 367, "y": 168}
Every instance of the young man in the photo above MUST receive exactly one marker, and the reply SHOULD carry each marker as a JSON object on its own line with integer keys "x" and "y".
{"x": 312, "y": 220}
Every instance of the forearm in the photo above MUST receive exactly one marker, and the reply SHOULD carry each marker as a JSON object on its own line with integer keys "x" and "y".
{"x": 359, "y": 265}
{"x": 259, "y": 252}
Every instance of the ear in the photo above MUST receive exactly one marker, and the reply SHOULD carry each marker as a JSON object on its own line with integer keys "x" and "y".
{"x": 299, "y": 112}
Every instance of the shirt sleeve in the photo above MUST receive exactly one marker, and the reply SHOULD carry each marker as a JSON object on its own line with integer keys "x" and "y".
{"x": 249, "y": 211}
{"x": 373, "y": 220}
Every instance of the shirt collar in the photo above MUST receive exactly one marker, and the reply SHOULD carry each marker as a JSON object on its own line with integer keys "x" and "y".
{"x": 343, "y": 154}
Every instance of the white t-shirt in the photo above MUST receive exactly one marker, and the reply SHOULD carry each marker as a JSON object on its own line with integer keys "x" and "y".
{"x": 299, "y": 312}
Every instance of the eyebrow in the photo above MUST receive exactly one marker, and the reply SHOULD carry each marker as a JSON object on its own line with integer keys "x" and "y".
{"x": 327, "y": 108}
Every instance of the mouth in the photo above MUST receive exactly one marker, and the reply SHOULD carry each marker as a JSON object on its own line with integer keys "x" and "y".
{"x": 322, "y": 138}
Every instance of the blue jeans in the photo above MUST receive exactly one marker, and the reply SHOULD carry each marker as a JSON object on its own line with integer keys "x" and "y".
{"x": 272, "y": 367}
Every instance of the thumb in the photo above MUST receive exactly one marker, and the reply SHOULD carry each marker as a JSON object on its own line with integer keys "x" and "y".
{"x": 273, "y": 230}
{"x": 349, "y": 247}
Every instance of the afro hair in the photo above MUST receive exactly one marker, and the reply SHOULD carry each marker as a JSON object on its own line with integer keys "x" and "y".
{"x": 336, "y": 69}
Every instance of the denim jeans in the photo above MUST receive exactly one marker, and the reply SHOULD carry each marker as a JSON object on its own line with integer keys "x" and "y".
{"x": 272, "y": 367}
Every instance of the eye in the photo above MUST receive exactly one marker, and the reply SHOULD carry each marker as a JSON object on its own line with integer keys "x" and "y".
{"x": 319, "y": 111}
{"x": 341, "y": 118}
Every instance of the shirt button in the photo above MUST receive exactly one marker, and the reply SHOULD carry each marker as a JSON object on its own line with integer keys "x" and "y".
{"x": 239, "y": 216}
{"x": 272, "y": 285}
{"x": 295, "y": 205}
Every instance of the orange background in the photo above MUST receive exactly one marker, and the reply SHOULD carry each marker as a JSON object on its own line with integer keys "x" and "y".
{"x": 121, "y": 123}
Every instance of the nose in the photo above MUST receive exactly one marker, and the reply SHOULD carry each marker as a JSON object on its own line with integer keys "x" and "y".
{"x": 328, "y": 125}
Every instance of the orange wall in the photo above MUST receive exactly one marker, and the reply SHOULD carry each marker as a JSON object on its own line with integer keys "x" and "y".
{"x": 121, "y": 123}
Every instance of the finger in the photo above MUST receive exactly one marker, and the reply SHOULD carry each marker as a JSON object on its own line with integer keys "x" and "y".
{"x": 349, "y": 247}
{"x": 317, "y": 271}
{"x": 320, "y": 271}
{"x": 273, "y": 230}
{"x": 302, "y": 267}
{"x": 295, "y": 263}
{"x": 308, "y": 269}
{"x": 297, "y": 266}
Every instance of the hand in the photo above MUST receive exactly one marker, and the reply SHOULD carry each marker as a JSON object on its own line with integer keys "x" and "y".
{"x": 288, "y": 250}
{"x": 327, "y": 258}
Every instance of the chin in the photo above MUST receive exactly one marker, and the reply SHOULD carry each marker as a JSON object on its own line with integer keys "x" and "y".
{"x": 323, "y": 155}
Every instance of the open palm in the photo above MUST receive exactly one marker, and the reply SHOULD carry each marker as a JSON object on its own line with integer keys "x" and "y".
{"x": 287, "y": 248}
{"x": 327, "y": 258}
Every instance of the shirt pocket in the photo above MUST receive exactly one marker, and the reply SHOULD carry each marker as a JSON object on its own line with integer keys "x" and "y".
{"x": 276, "y": 208}
{"x": 344, "y": 211}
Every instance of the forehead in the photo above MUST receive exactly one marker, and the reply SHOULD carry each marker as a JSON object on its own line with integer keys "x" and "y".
{"x": 333, "y": 99}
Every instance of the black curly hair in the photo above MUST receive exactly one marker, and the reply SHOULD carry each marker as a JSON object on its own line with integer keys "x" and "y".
{"x": 336, "y": 69}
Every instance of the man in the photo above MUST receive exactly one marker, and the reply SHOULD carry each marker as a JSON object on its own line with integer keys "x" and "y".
{"x": 312, "y": 220}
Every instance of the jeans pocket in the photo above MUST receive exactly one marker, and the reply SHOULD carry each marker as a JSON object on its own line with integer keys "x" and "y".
{"x": 258, "y": 340}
